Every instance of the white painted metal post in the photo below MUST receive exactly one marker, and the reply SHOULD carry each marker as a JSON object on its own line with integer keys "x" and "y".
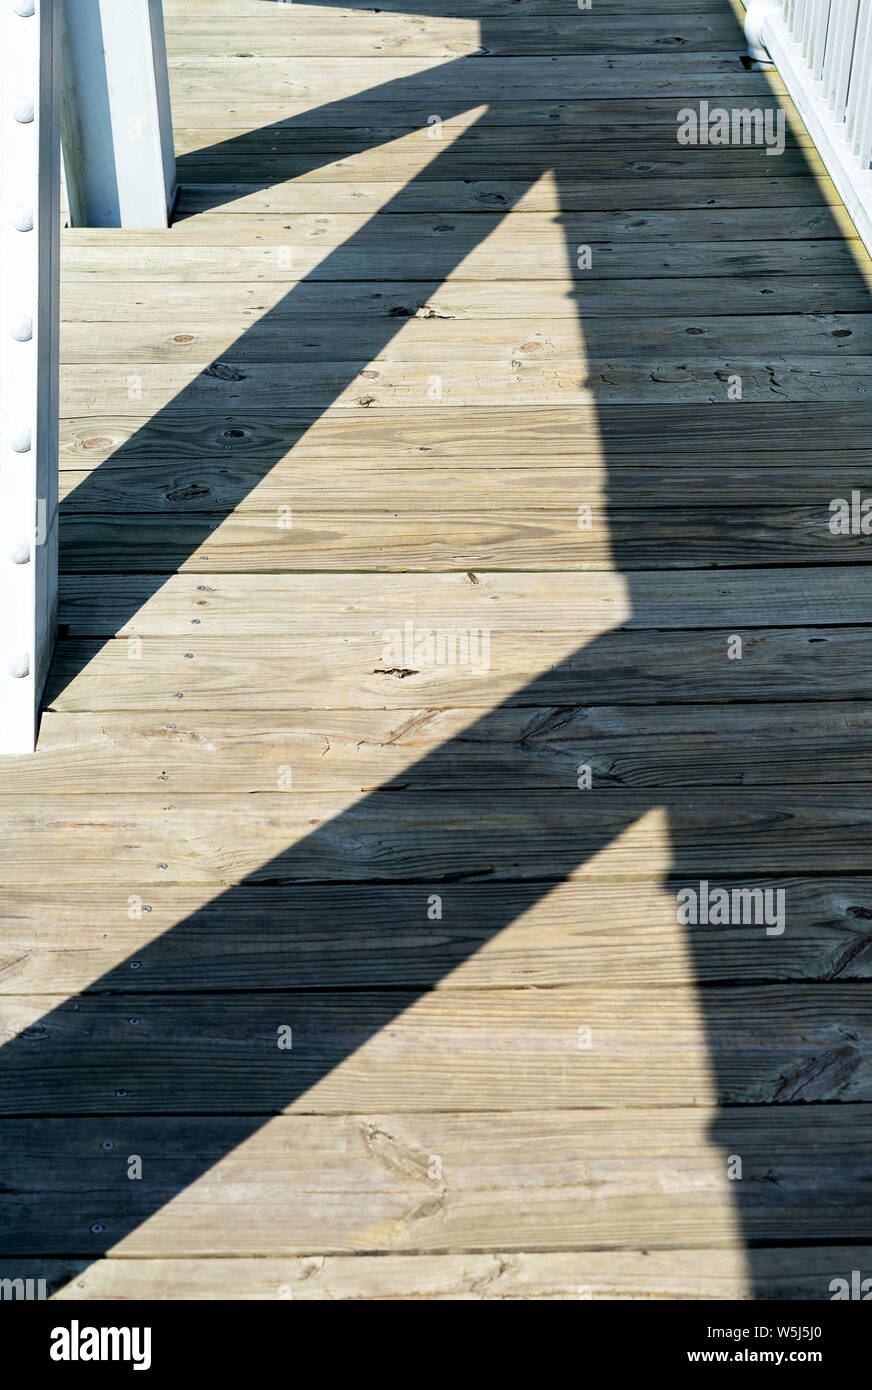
{"x": 29, "y": 237}
{"x": 119, "y": 163}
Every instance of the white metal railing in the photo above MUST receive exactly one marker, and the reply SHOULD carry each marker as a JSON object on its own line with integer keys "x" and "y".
{"x": 823, "y": 52}
{"x": 95, "y": 73}
{"x": 29, "y": 234}
{"x": 836, "y": 41}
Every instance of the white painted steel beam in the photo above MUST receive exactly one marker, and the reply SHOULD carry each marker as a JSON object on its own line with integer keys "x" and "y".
{"x": 119, "y": 164}
{"x": 29, "y": 236}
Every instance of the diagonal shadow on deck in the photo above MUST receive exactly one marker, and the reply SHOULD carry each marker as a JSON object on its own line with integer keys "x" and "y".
{"x": 445, "y": 838}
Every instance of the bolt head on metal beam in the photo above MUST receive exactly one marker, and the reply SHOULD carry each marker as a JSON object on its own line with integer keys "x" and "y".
{"x": 22, "y": 109}
{"x": 20, "y": 440}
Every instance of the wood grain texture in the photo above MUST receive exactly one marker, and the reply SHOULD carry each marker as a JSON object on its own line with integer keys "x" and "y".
{"x": 174, "y": 314}
{"x": 363, "y": 383}
{"x": 522, "y": 259}
{"x": 336, "y": 936}
{"x": 490, "y": 193}
{"x": 316, "y": 33}
{"x": 401, "y": 489}
{"x": 243, "y": 807}
{"x": 495, "y": 1050}
{"x": 528, "y": 340}
{"x": 550, "y": 539}
{"x": 536, "y": 1181}
{"x": 559, "y": 76}
{"x": 399, "y": 112}
{"x": 228, "y": 13}
{"x": 354, "y": 672}
{"x": 347, "y": 163}
{"x": 393, "y": 836}
{"x": 512, "y": 748}
{"x": 568, "y": 612}
{"x": 284, "y": 147}
{"x": 785, "y": 1274}
{"x": 420, "y": 230}
{"x": 280, "y": 115}
{"x": 580, "y": 430}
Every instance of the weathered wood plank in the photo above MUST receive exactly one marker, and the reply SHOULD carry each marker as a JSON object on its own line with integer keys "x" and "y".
{"x": 253, "y": 110}
{"x": 394, "y": 383}
{"x": 526, "y": 668}
{"x": 539, "y": 1181}
{"x": 477, "y": 195}
{"x": 516, "y": 162}
{"x": 620, "y": 538}
{"x": 456, "y": 486}
{"x": 523, "y": 341}
{"x": 336, "y": 229}
{"x": 175, "y": 309}
{"x": 563, "y": 611}
{"x": 803, "y": 1273}
{"x": 490, "y": 1050}
{"x": 762, "y": 745}
{"x": 332, "y": 936}
{"x": 320, "y": 33}
{"x": 390, "y": 835}
{"x": 555, "y": 147}
{"x": 764, "y": 430}
{"x": 468, "y": 133}
{"x": 556, "y": 77}
{"x": 258, "y": 115}
{"x": 517, "y": 258}
{"x": 222, "y": 11}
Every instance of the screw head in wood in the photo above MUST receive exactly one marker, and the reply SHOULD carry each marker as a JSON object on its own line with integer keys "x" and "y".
{"x": 21, "y": 328}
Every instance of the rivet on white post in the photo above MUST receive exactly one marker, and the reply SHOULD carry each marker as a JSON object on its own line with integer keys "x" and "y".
{"x": 20, "y": 439}
{"x": 22, "y": 109}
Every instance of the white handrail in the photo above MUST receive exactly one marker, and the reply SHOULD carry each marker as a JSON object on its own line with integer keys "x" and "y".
{"x": 29, "y": 243}
{"x": 823, "y": 52}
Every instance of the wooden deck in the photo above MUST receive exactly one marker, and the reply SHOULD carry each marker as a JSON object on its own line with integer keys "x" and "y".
{"x": 364, "y": 383}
